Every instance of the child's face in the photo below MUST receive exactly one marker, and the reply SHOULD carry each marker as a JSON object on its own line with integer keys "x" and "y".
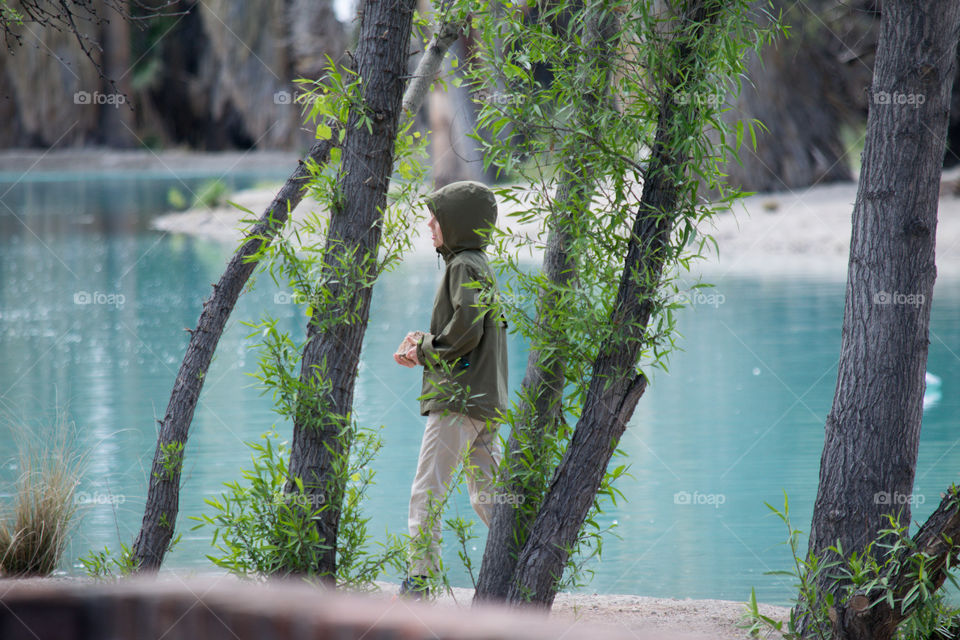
{"x": 435, "y": 231}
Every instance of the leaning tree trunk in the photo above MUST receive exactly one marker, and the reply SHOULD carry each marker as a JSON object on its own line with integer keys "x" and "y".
{"x": 541, "y": 392}
{"x": 873, "y": 428}
{"x": 615, "y": 386}
{"x": 163, "y": 494}
{"x": 335, "y": 332}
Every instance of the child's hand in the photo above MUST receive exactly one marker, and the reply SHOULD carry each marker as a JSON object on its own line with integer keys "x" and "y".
{"x": 406, "y": 354}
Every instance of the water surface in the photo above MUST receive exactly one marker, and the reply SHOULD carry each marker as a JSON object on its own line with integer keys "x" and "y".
{"x": 93, "y": 307}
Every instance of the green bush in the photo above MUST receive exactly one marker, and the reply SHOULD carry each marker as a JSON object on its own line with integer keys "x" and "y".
{"x": 261, "y": 531}
{"x": 212, "y": 193}
{"x": 104, "y": 565}
{"x": 931, "y": 618}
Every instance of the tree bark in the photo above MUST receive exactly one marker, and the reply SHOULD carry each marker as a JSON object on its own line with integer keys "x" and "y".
{"x": 541, "y": 392}
{"x": 615, "y": 386}
{"x": 163, "y": 494}
{"x": 873, "y": 428}
{"x": 332, "y": 352}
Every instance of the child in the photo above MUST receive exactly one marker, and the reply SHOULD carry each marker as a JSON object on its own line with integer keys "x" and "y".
{"x": 465, "y": 373}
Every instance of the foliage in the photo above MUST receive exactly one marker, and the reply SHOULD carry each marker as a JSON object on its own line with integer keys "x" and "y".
{"x": 171, "y": 457}
{"x": 104, "y": 565}
{"x": 81, "y": 19}
{"x": 869, "y": 572}
{"x": 256, "y": 530}
{"x": 34, "y": 529}
{"x": 577, "y": 149}
{"x": 260, "y": 531}
{"x": 211, "y": 193}
{"x": 9, "y": 15}
{"x": 463, "y": 531}
{"x": 176, "y": 199}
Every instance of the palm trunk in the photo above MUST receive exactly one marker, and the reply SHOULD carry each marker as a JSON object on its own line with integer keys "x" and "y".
{"x": 163, "y": 494}
{"x": 336, "y": 330}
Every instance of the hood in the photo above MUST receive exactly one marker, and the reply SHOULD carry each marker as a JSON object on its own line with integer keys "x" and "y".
{"x": 462, "y": 209}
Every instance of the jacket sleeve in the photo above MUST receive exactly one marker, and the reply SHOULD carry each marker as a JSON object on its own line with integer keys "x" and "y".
{"x": 463, "y": 331}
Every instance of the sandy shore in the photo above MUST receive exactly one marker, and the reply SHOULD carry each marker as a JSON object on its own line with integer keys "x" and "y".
{"x": 805, "y": 232}
{"x": 647, "y": 617}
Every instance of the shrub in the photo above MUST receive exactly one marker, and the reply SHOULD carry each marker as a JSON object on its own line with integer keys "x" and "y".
{"x": 931, "y": 616}
{"x": 34, "y": 528}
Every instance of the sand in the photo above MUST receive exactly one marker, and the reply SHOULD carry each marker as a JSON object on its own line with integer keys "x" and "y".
{"x": 677, "y": 619}
{"x": 801, "y": 233}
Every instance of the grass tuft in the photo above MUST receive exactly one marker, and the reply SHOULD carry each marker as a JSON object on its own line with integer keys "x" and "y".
{"x": 34, "y": 528}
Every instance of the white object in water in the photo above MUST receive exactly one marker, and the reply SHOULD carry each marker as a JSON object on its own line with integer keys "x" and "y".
{"x": 932, "y": 394}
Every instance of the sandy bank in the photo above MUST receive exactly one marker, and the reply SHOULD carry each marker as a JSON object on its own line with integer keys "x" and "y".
{"x": 644, "y": 616}
{"x": 800, "y": 233}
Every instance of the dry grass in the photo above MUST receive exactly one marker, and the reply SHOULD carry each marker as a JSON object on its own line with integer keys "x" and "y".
{"x": 35, "y": 527}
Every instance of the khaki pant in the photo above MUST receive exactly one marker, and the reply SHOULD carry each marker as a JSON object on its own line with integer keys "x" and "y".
{"x": 447, "y": 440}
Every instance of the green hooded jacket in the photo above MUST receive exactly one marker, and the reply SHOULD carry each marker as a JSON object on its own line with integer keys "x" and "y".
{"x": 465, "y": 353}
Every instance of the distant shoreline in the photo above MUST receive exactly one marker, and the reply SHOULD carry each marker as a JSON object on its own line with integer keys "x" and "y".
{"x": 803, "y": 233}
{"x": 91, "y": 160}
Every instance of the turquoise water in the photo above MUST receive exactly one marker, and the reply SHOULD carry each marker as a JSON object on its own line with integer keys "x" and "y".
{"x": 736, "y": 422}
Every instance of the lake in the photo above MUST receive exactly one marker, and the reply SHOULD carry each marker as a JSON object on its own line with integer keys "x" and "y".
{"x": 93, "y": 307}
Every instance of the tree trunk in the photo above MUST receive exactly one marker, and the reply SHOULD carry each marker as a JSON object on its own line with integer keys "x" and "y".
{"x": 163, "y": 493}
{"x": 615, "y": 386}
{"x": 117, "y": 124}
{"x": 873, "y": 428}
{"x": 335, "y": 332}
{"x": 541, "y": 392}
